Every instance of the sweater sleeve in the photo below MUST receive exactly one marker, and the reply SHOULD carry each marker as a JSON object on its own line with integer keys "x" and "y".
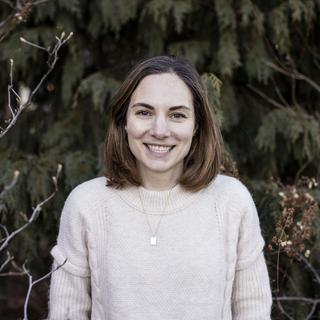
{"x": 69, "y": 296}
{"x": 251, "y": 294}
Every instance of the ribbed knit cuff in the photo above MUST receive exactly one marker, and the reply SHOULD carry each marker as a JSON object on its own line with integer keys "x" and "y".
{"x": 69, "y": 296}
{"x": 251, "y": 296}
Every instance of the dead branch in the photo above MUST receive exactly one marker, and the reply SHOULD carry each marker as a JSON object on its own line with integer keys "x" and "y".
{"x": 11, "y": 185}
{"x": 33, "y": 283}
{"x": 314, "y": 303}
{"x": 36, "y": 211}
{"x": 294, "y": 74}
{"x": 21, "y": 10}
{"x": 265, "y": 97}
{"x": 22, "y": 105}
{"x": 310, "y": 267}
{"x": 17, "y": 270}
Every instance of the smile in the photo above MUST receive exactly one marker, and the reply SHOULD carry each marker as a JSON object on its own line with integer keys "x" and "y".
{"x": 158, "y": 148}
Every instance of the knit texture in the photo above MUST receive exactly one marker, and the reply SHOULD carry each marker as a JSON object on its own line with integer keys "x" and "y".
{"x": 208, "y": 262}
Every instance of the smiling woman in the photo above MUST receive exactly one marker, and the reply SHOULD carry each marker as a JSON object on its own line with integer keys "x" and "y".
{"x": 160, "y": 125}
{"x": 163, "y": 235}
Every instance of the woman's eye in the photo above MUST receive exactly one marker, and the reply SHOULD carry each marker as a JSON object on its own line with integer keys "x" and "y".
{"x": 143, "y": 113}
{"x": 178, "y": 115}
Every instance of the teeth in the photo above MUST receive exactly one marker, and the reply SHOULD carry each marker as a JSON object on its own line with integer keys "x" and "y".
{"x": 159, "y": 149}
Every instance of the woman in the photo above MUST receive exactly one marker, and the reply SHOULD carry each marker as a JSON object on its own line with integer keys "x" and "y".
{"x": 163, "y": 235}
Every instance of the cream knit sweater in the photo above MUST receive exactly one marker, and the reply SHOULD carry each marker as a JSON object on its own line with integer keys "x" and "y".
{"x": 207, "y": 265}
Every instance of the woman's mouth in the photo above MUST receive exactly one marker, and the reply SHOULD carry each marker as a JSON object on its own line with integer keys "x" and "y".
{"x": 159, "y": 149}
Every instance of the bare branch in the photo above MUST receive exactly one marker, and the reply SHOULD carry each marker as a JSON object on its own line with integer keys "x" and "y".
{"x": 314, "y": 303}
{"x": 8, "y": 3}
{"x": 294, "y": 74}
{"x": 11, "y": 185}
{"x": 36, "y": 211}
{"x": 283, "y": 311}
{"x": 301, "y": 299}
{"x": 20, "y": 13}
{"x": 280, "y": 95}
{"x": 33, "y": 44}
{"x": 18, "y": 271}
{"x": 310, "y": 267}
{"x": 6, "y": 262}
{"x": 52, "y": 60}
{"x": 265, "y": 97}
{"x": 33, "y": 283}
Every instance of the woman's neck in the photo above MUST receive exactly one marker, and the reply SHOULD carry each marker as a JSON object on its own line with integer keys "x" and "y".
{"x": 159, "y": 180}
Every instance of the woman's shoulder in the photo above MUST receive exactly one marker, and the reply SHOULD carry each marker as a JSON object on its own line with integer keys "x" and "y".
{"x": 88, "y": 185}
{"x": 231, "y": 189}
{"x": 224, "y": 183}
{"x": 90, "y": 192}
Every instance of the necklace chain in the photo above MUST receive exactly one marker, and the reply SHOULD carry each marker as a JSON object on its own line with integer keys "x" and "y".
{"x": 153, "y": 239}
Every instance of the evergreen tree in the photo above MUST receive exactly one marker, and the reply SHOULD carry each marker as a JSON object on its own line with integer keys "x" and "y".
{"x": 267, "y": 56}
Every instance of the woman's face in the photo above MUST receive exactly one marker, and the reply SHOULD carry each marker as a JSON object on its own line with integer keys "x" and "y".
{"x": 160, "y": 124}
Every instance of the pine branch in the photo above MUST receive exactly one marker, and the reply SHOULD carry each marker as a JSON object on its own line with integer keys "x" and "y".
{"x": 52, "y": 60}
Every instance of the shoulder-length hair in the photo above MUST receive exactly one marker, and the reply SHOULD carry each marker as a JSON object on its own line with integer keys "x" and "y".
{"x": 203, "y": 161}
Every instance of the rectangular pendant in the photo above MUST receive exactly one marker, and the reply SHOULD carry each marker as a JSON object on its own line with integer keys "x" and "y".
{"x": 153, "y": 241}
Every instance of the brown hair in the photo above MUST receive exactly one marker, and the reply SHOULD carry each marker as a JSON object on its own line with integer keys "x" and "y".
{"x": 203, "y": 161}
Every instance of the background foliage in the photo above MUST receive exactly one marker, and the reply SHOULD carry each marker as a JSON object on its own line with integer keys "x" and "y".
{"x": 266, "y": 53}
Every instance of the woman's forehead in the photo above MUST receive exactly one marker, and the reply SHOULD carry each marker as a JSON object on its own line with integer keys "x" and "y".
{"x": 165, "y": 89}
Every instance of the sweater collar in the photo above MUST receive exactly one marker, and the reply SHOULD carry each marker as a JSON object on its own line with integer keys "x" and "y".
{"x": 157, "y": 202}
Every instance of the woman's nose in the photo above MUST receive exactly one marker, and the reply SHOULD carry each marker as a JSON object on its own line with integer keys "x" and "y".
{"x": 160, "y": 128}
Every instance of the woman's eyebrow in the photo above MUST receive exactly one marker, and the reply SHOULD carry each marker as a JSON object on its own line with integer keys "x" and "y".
{"x": 148, "y": 106}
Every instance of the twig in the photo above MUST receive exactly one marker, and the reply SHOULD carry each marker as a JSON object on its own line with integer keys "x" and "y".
{"x": 33, "y": 283}
{"x": 7, "y": 261}
{"x": 265, "y": 97}
{"x": 301, "y": 170}
{"x": 310, "y": 267}
{"x": 8, "y": 3}
{"x": 52, "y": 60}
{"x": 283, "y": 311}
{"x": 279, "y": 93}
{"x": 36, "y": 211}
{"x": 294, "y": 74}
{"x": 10, "y": 259}
{"x": 11, "y": 185}
{"x": 313, "y": 309}
{"x": 302, "y": 299}
{"x": 314, "y": 303}
{"x": 20, "y": 13}
{"x": 285, "y": 275}
{"x": 278, "y": 253}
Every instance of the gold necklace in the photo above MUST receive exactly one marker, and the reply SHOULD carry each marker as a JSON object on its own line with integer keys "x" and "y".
{"x": 153, "y": 239}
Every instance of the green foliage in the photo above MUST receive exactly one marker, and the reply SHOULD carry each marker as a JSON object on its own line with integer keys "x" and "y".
{"x": 300, "y": 131}
{"x": 279, "y": 25}
{"x": 270, "y": 121}
{"x": 99, "y": 87}
{"x": 117, "y": 13}
{"x": 195, "y": 51}
{"x": 228, "y": 54}
{"x": 79, "y": 166}
{"x": 72, "y": 72}
{"x": 255, "y": 60}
